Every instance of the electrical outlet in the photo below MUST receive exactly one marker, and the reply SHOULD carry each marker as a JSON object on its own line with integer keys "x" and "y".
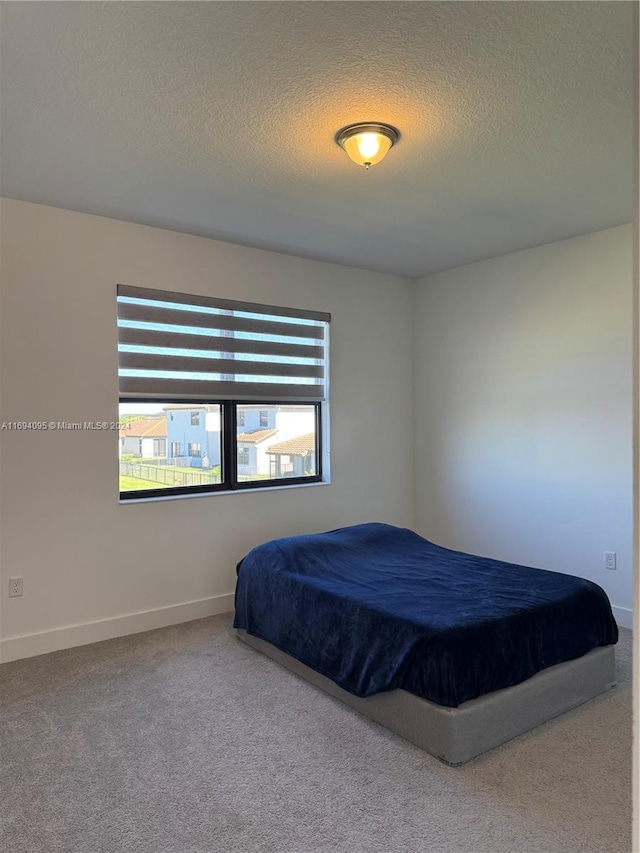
{"x": 610, "y": 560}
{"x": 15, "y": 587}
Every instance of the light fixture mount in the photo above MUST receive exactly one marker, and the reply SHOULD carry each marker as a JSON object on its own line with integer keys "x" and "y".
{"x": 366, "y": 143}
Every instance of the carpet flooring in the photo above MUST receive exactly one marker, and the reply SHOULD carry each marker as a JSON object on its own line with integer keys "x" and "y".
{"x": 184, "y": 740}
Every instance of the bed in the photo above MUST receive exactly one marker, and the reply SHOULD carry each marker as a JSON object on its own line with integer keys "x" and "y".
{"x": 456, "y": 653}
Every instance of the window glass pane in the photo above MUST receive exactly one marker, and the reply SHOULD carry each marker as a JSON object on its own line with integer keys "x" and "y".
{"x": 276, "y": 441}
{"x": 169, "y": 445}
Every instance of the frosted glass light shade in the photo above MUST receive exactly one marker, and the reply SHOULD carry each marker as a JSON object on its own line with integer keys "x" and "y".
{"x": 367, "y": 144}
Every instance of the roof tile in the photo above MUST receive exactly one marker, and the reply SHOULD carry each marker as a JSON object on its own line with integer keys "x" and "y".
{"x": 298, "y": 446}
{"x": 255, "y": 435}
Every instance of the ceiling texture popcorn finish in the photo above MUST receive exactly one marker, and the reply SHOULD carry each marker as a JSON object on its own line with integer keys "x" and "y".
{"x": 219, "y": 119}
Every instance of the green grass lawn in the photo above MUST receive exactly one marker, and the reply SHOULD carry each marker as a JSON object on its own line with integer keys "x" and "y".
{"x": 130, "y": 484}
{"x": 177, "y": 477}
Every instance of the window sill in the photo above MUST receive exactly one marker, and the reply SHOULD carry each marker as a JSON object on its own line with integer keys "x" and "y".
{"x": 151, "y": 499}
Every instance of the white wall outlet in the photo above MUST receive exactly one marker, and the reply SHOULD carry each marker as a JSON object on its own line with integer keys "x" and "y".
{"x": 15, "y": 587}
{"x": 610, "y": 560}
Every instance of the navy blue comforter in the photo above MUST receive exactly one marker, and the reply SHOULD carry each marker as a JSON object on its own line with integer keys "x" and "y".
{"x": 375, "y": 607}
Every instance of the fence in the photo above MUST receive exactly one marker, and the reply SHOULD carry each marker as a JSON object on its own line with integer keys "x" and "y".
{"x": 171, "y": 462}
{"x": 168, "y": 477}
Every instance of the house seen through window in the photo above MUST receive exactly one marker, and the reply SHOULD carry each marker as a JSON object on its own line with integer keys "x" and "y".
{"x": 217, "y": 395}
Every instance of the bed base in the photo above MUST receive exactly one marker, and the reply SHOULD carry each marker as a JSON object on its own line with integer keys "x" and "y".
{"x": 456, "y": 735}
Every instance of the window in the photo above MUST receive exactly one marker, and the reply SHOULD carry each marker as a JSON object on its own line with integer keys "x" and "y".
{"x": 253, "y": 370}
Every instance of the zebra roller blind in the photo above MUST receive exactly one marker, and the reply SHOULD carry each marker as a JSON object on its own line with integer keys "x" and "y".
{"x": 178, "y": 346}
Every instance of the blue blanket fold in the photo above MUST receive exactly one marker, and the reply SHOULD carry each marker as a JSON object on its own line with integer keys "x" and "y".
{"x": 375, "y": 607}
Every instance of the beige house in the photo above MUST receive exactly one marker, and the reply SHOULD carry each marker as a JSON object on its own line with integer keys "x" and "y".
{"x": 292, "y": 458}
{"x": 144, "y": 437}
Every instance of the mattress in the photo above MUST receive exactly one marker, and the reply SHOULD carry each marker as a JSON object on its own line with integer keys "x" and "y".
{"x": 376, "y": 608}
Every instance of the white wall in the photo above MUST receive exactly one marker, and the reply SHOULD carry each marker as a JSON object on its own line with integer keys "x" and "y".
{"x": 84, "y": 556}
{"x": 524, "y": 408}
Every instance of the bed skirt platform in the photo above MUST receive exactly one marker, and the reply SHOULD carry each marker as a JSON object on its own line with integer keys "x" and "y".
{"x": 456, "y": 735}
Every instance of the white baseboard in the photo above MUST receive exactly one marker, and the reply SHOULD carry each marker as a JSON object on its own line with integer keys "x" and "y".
{"x": 29, "y": 645}
{"x": 623, "y": 616}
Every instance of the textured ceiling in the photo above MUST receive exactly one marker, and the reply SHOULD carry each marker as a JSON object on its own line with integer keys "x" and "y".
{"x": 218, "y": 118}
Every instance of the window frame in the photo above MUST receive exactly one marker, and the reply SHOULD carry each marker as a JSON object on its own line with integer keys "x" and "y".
{"x": 228, "y": 453}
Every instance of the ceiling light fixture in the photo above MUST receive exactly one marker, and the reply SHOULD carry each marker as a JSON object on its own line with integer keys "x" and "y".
{"x": 367, "y": 143}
